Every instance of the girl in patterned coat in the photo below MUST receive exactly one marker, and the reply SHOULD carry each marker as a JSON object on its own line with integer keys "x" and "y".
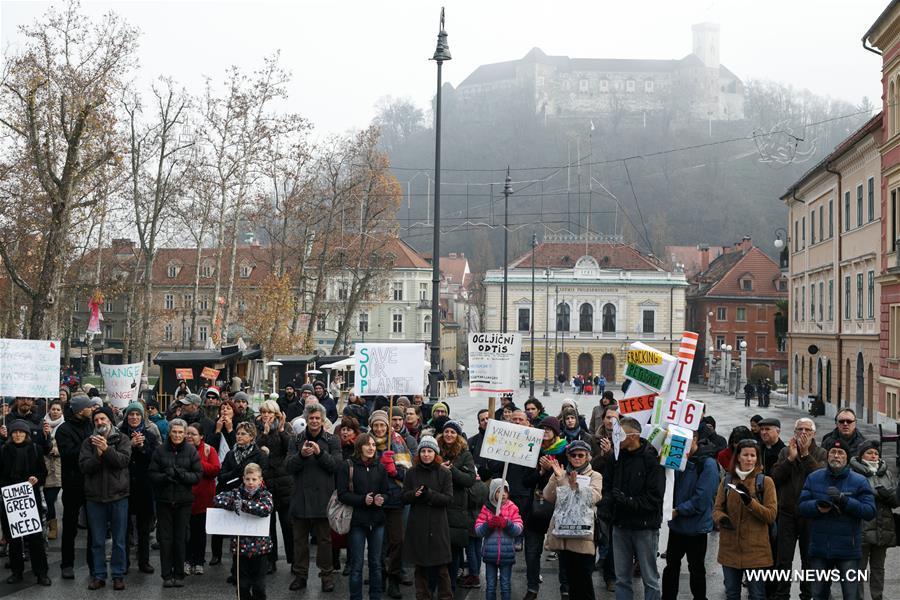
{"x": 251, "y": 498}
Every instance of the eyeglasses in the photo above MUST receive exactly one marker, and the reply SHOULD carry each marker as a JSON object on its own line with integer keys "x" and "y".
{"x": 846, "y": 421}
{"x": 803, "y": 429}
{"x": 578, "y": 455}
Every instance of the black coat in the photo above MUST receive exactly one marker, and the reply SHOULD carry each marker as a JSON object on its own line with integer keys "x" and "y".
{"x": 427, "y": 543}
{"x": 232, "y": 474}
{"x": 639, "y": 476}
{"x": 140, "y": 491}
{"x": 279, "y": 482}
{"x": 770, "y": 456}
{"x": 459, "y": 513}
{"x": 173, "y": 472}
{"x": 69, "y": 437}
{"x": 371, "y": 478}
{"x": 313, "y": 475}
{"x": 18, "y": 462}
{"x": 487, "y": 469}
{"x": 208, "y": 425}
{"x": 106, "y": 476}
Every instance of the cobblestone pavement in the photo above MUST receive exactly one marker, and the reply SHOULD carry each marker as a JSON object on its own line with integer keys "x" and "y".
{"x": 728, "y": 412}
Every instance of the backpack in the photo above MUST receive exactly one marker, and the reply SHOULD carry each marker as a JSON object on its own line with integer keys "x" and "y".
{"x": 760, "y": 479}
{"x": 340, "y": 514}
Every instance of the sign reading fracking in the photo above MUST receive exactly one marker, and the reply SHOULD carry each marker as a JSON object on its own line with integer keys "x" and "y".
{"x": 649, "y": 367}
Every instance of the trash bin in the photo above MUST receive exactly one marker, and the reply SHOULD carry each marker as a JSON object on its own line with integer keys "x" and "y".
{"x": 816, "y": 406}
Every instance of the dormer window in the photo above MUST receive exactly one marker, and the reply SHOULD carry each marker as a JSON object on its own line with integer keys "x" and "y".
{"x": 172, "y": 271}
{"x": 246, "y": 270}
{"x": 206, "y": 271}
{"x": 745, "y": 282}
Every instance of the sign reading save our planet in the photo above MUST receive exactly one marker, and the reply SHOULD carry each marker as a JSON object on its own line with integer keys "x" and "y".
{"x": 512, "y": 443}
{"x": 389, "y": 369}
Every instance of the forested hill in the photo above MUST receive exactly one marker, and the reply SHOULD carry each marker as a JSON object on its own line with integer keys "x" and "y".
{"x": 680, "y": 182}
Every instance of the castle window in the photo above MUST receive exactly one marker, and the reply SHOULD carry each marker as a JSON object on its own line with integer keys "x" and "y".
{"x": 583, "y": 85}
{"x": 629, "y": 85}
{"x": 604, "y": 85}
{"x": 648, "y": 86}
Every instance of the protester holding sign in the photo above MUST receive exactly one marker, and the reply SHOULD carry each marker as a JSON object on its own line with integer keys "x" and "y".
{"x": 22, "y": 463}
{"x": 52, "y": 421}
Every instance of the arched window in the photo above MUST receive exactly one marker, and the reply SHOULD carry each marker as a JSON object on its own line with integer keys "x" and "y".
{"x": 562, "y": 316}
{"x": 586, "y": 317}
{"x": 609, "y": 318}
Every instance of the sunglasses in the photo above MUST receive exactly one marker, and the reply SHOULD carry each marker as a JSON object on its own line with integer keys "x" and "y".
{"x": 578, "y": 455}
{"x": 846, "y": 421}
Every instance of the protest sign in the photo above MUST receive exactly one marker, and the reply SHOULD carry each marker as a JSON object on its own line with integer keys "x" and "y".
{"x": 686, "y": 414}
{"x": 507, "y": 442}
{"x": 494, "y": 363}
{"x": 618, "y": 436}
{"x": 573, "y": 515}
{"x": 655, "y": 435}
{"x": 21, "y": 509}
{"x": 184, "y": 373}
{"x": 122, "y": 383}
{"x": 677, "y": 391}
{"x": 227, "y": 522}
{"x": 638, "y": 407}
{"x": 389, "y": 369}
{"x": 674, "y": 451}
{"x": 29, "y": 368}
{"x": 649, "y": 366}
{"x": 209, "y": 373}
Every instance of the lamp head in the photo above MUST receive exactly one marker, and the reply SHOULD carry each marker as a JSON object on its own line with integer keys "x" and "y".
{"x": 442, "y": 51}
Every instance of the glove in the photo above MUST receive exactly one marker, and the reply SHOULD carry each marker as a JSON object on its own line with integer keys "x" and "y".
{"x": 497, "y": 522}
{"x": 744, "y": 494}
{"x": 883, "y": 493}
{"x": 170, "y": 473}
{"x": 387, "y": 460}
{"x": 725, "y": 523}
{"x": 836, "y": 497}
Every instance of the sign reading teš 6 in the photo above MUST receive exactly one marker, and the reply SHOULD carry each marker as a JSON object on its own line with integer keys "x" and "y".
{"x": 390, "y": 369}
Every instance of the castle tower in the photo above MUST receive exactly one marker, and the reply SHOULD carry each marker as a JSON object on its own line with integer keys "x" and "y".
{"x": 706, "y": 43}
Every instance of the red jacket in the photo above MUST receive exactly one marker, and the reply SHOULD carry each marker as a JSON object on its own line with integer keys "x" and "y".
{"x": 205, "y": 490}
{"x": 724, "y": 458}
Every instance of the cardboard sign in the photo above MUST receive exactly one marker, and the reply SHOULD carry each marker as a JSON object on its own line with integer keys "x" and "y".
{"x": 651, "y": 368}
{"x": 674, "y": 451}
{"x": 184, "y": 374}
{"x": 686, "y": 414}
{"x": 637, "y": 404}
{"x": 494, "y": 363}
{"x": 227, "y": 522}
{"x": 389, "y": 369}
{"x": 507, "y": 442}
{"x": 209, "y": 373}
{"x": 655, "y": 435}
{"x": 29, "y": 368}
{"x": 122, "y": 383}
{"x": 21, "y": 509}
{"x": 618, "y": 436}
{"x": 677, "y": 392}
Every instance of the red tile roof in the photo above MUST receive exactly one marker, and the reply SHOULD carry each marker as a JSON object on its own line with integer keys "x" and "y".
{"x": 726, "y": 272}
{"x": 453, "y": 268}
{"x": 564, "y": 255}
{"x": 689, "y": 256}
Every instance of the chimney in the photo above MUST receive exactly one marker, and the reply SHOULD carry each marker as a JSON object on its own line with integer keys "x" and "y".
{"x": 704, "y": 257}
{"x": 122, "y": 245}
{"x": 746, "y": 243}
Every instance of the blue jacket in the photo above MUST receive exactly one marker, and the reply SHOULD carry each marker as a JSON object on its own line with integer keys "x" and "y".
{"x": 695, "y": 493}
{"x": 836, "y": 534}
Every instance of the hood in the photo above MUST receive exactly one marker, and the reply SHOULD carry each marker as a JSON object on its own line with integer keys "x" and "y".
{"x": 864, "y": 470}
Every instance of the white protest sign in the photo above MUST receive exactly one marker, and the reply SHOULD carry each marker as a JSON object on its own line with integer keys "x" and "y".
{"x": 675, "y": 449}
{"x": 676, "y": 393}
{"x": 686, "y": 414}
{"x": 21, "y": 509}
{"x": 122, "y": 383}
{"x": 227, "y": 522}
{"x": 618, "y": 436}
{"x": 649, "y": 367}
{"x": 29, "y": 368}
{"x": 494, "y": 363}
{"x": 507, "y": 442}
{"x": 389, "y": 369}
{"x": 655, "y": 435}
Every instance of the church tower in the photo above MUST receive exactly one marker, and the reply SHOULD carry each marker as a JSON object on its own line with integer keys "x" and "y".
{"x": 706, "y": 44}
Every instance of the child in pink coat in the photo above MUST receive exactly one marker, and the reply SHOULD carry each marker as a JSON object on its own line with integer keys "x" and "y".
{"x": 499, "y": 531}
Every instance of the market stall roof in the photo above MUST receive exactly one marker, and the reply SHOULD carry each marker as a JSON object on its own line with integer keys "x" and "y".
{"x": 294, "y": 358}
{"x": 189, "y": 357}
{"x": 350, "y": 363}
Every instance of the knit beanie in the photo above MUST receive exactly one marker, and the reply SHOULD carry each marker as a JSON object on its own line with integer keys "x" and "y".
{"x": 379, "y": 415}
{"x": 80, "y": 402}
{"x": 428, "y": 441}
{"x": 135, "y": 407}
{"x": 551, "y": 423}
{"x": 19, "y": 425}
{"x": 397, "y": 411}
{"x": 108, "y": 412}
{"x": 866, "y": 446}
{"x": 454, "y": 425}
{"x": 440, "y": 406}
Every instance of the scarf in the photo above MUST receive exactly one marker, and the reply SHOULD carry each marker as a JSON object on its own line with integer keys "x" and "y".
{"x": 742, "y": 474}
{"x": 242, "y": 452}
{"x": 414, "y": 431}
{"x": 556, "y": 448}
{"x": 54, "y": 424}
{"x": 572, "y": 434}
{"x": 873, "y": 466}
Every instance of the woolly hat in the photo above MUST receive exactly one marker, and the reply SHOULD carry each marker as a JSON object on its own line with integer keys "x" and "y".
{"x": 428, "y": 442}
{"x": 306, "y": 388}
{"x": 379, "y": 415}
{"x": 397, "y": 411}
{"x": 135, "y": 407}
{"x": 214, "y": 391}
{"x": 440, "y": 406}
{"x": 19, "y": 425}
{"x": 866, "y": 446}
{"x": 240, "y": 397}
{"x": 454, "y": 425}
{"x": 551, "y": 423}
{"x": 319, "y": 383}
{"x": 298, "y": 425}
{"x": 496, "y": 485}
{"x": 839, "y": 444}
{"x": 569, "y": 402}
{"x": 80, "y": 402}
{"x": 106, "y": 411}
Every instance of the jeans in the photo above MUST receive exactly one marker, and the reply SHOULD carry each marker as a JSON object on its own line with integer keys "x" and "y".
{"x": 733, "y": 579}
{"x": 791, "y": 530}
{"x": 873, "y": 557}
{"x": 196, "y": 551}
{"x": 50, "y": 495}
{"x": 694, "y": 546}
{"x": 473, "y": 556}
{"x": 643, "y": 545}
{"x": 579, "y": 568}
{"x": 112, "y": 516}
{"x": 171, "y": 531}
{"x": 357, "y": 540}
{"x": 821, "y": 590}
{"x": 490, "y": 581}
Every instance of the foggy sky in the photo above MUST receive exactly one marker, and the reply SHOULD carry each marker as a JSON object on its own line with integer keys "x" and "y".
{"x": 346, "y": 54}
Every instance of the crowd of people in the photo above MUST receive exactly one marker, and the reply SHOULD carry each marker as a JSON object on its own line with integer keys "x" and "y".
{"x": 405, "y": 465}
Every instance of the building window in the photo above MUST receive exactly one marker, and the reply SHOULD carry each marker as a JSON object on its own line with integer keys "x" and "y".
{"x": 803, "y": 231}
{"x": 186, "y": 331}
{"x": 648, "y": 86}
{"x": 108, "y": 306}
{"x": 847, "y": 210}
{"x": 524, "y": 319}
{"x": 737, "y": 343}
{"x": 821, "y": 223}
{"x": 821, "y": 300}
{"x": 721, "y": 313}
{"x": 831, "y": 218}
{"x": 871, "y": 199}
{"x": 859, "y": 205}
{"x": 426, "y": 325}
{"x": 169, "y": 301}
{"x": 761, "y": 312}
{"x": 747, "y": 284}
{"x": 609, "y": 318}
{"x": 720, "y": 341}
{"x": 206, "y": 271}
{"x": 741, "y": 313}
{"x": 831, "y": 299}
{"x": 629, "y": 85}
{"x": 423, "y": 292}
{"x": 812, "y": 302}
{"x": 203, "y": 304}
{"x": 562, "y": 317}
{"x": 802, "y": 302}
{"x": 108, "y": 330}
{"x": 583, "y": 85}
{"x": 172, "y": 271}
{"x": 649, "y": 321}
{"x": 397, "y": 288}
{"x": 363, "y": 323}
{"x": 586, "y": 318}
{"x": 859, "y": 295}
{"x": 760, "y": 343}
{"x": 894, "y": 342}
{"x": 321, "y": 323}
{"x": 245, "y": 271}
{"x": 167, "y": 332}
{"x": 870, "y": 284}
{"x": 895, "y": 219}
{"x": 796, "y": 236}
{"x": 343, "y": 292}
{"x": 812, "y": 227}
{"x": 796, "y": 307}
{"x": 604, "y": 85}
{"x": 188, "y": 301}
{"x": 203, "y": 333}
{"x": 847, "y": 298}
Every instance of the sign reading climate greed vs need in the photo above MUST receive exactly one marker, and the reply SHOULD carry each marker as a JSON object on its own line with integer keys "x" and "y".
{"x": 390, "y": 369}
{"x": 21, "y": 509}
{"x": 494, "y": 363}
{"x": 516, "y": 444}
{"x": 29, "y": 368}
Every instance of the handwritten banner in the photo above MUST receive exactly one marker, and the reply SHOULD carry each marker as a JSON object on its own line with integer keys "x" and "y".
{"x": 122, "y": 383}
{"x": 389, "y": 369}
{"x": 676, "y": 393}
{"x": 21, "y": 509}
{"x": 226, "y": 522}
{"x": 184, "y": 374}
{"x": 674, "y": 451}
{"x": 494, "y": 363}
{"x": 516, "y": 444}
{"x": 209, "y": 373}
{"x": 29, "y": 368}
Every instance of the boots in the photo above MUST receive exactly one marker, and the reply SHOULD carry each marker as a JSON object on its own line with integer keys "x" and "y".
{"x": 52, "y": 530}
{"x": 393, "y": 588}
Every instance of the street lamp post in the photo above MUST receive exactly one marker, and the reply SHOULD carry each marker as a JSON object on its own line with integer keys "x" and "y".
{"x": 547, "y": 338}
{"x": 507, "y": 192}
{"x": 743, "y": 347}
{"x": 441, "y": 53}
{"x": 727, "y": 365}
{"x": 556, "y": 342}
{"x": 531, "y": 357}
{"x": 710, "y": 377}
